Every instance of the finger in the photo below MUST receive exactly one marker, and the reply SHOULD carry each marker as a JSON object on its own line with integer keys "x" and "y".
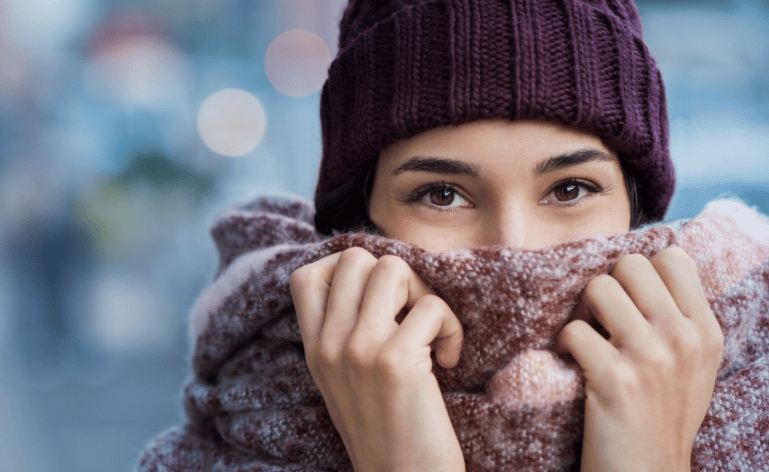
{"x": 680, "y": 275}
{"x": 348, "y": 285}
{"x": 642, "y": 282}
{"x": 309, "y": 290}
{"x": 591, "y": 351}
{"x": 430, "y": 319}
{"x": 582, "y": 312}
{"x": 606, "y": 301}
{"x": 392, "y": 286}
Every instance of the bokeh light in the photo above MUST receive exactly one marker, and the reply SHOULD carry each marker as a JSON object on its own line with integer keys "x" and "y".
{"x": 15, "y": 77}
{"x": 41, "y": 28}
{"x": 140, "y": 71}
{"x": 297, "y": 62}
{"x": 127, "y": 314}
{"x": 231, "y": 122}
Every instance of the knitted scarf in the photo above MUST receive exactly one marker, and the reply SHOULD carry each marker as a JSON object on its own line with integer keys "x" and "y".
{"x": 252, "y": 405}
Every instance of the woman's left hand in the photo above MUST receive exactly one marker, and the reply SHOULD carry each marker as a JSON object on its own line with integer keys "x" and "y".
{"x": 649, "y": 385}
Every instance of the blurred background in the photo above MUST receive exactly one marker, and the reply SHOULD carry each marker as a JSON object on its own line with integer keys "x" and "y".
{"x": 126, "y": 125}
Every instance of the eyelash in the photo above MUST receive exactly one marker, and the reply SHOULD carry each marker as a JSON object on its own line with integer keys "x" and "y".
{"x": 591, "y": 187}
{"x": 419, "y": 194}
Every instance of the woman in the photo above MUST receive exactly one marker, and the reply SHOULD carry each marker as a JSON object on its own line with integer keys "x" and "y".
{"x": 476, "y": 144}
{"x": 502, "y": 181}
{"x": 526, "y": 184}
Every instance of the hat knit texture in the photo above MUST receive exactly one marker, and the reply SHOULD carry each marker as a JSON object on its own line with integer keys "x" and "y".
{"x": 407, "y": 66}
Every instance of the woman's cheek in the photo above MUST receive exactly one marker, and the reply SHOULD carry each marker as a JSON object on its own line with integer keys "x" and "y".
{"x": 442, "y": 237}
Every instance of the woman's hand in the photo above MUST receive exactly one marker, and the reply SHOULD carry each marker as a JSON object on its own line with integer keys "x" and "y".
{"x": 649, "y": 385}
{"x": 375, "y": 374}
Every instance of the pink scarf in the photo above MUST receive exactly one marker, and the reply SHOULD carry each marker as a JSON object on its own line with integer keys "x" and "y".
{"x": 252, "y": 406}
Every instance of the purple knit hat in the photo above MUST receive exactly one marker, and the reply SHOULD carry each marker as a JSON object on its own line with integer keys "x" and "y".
{"x": 407, "y": 66}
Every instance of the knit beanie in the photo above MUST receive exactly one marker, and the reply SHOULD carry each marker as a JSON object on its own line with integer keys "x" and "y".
{"x": 407, "y": 66}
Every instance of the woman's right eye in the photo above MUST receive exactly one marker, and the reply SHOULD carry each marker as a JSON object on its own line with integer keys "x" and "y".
{"x": 441, "y": 197}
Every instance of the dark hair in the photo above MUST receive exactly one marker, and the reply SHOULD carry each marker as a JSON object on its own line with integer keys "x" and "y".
{"x": 638, "y": 217}
{"x": 345, "y": 209}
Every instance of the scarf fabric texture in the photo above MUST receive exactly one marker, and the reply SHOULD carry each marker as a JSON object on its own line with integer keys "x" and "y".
{"x": 252, "y": 406}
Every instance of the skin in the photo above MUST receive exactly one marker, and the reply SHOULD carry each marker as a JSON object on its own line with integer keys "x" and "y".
{"x": 525, "y": 184}
{"x": 508, "y": 202}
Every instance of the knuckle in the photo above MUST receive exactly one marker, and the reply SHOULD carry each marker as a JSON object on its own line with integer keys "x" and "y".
{"x": 688, "y": 345}
{"x": 599, "y": 284}
{"x": 356, "y": 255}
{"x": 569, "y": 335}
{"x": 570, "y": 330}
{"x": 574, "y": 330}
{"x": 630, "y": 263}
{"x": 325, "y": 359}
{"x": 711, "y": 335}
{"x": 389, "y": 364}
{"x": 674, "y": 257}
{"x": 432, "y": 303}
{"x": 301, "y": 277}
{"x": 394, "y": 264}
{"x": 714, "y": 342}
{"x": 356, "y": 352}
{"x": 660, "y": 361}
{"x": 394, "y": 268}
{"x": 620, "y": 378}
{"x": 675, "y": 252}
{"x": 628, "y": 382}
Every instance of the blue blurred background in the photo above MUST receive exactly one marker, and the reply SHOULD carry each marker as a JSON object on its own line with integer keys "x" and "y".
{"x": 126, "y": 125}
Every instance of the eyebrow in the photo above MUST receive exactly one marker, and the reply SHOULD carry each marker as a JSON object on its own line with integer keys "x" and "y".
{"x": 437, "y": 165}
{"x": 572, "y": 159}
{"x": 445, "y": 166}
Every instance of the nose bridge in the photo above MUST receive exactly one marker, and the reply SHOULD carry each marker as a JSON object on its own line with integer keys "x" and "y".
{"x": 512, "y": 226}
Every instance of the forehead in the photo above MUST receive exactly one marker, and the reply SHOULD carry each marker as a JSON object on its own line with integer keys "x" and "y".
{"x": 488, "y": 142}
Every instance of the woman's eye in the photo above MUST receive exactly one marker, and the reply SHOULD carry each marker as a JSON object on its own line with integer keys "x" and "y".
{"x": 571, "y": 192}
{"x": 567, "y": 192}
{"x": 440, "y": 197}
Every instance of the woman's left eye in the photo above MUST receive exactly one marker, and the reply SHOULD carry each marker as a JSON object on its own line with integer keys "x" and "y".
{"x": 571, "y": 191}
{"x": 444, "y": 197}
{"x": 439, "y": 197}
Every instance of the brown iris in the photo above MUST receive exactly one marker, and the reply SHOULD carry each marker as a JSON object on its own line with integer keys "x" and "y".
{"x": 567, "y": 192}
{"x": 442, "y": 197}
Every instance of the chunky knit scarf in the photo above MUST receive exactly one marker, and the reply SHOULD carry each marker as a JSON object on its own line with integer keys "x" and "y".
{"x": 252, "y": 405}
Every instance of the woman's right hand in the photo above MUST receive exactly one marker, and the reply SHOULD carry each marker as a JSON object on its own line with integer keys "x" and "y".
{"x": 374, "y": 373}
